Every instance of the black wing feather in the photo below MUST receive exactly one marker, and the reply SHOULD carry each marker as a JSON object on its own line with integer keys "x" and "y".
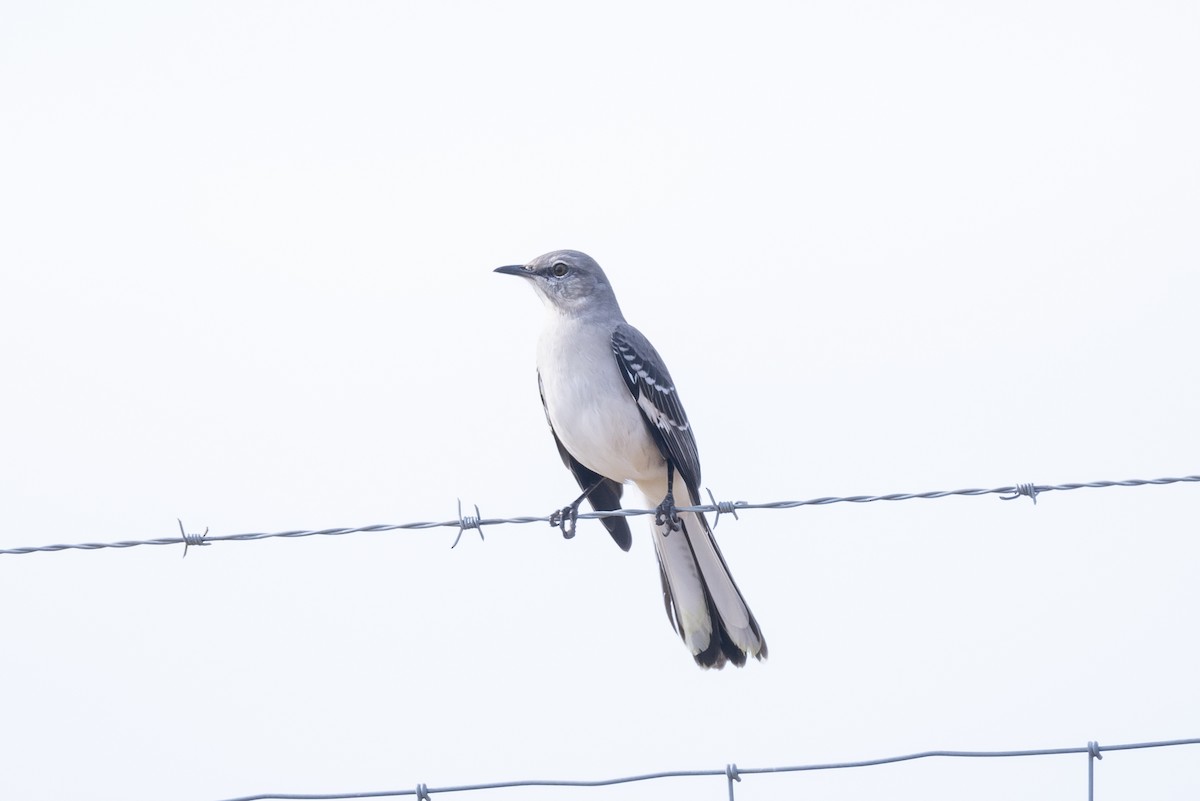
{"x": 607, "y": 493}
{"x": 646, "y": 375}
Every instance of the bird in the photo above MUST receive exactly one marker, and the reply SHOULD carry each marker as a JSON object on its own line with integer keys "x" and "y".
{"x": 616, "y": 417}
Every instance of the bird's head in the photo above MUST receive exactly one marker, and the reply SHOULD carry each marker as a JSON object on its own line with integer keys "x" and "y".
{"x": 567, "y": 281}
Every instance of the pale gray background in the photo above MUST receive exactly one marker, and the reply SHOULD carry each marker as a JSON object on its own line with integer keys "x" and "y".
{"x": 246, "y": 252}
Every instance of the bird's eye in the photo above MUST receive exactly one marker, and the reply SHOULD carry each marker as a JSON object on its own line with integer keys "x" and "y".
{"x": 559, "y": 269}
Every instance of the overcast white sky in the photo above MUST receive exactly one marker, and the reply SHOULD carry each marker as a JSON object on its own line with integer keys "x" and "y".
{"x": 245, "y": 280}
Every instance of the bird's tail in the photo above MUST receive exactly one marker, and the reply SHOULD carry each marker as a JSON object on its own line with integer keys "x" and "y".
{"x": 703, "y": 603}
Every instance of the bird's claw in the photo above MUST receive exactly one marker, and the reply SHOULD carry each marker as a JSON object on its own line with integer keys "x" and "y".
{"x": 565, "y": 519}
{"x": 666, "y": 515}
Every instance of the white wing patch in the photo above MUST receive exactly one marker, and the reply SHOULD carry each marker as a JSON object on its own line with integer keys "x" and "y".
{"x": 654, "y": 392}
{"x": 655, "y": 409}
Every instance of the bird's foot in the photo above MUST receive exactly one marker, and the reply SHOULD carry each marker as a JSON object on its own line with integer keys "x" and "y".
{"x": 666, "y": 515}
{"x": 565, "y": 519}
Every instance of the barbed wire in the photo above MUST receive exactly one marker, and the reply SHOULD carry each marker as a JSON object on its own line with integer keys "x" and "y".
{"x": 731, "y": 772}
{"x": 476, "y": 522}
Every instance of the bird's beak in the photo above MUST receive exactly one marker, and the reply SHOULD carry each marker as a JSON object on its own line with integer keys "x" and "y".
{"x": 513, "y": 269}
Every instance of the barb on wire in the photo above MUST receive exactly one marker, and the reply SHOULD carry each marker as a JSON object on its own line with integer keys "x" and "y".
{"x": 462, "y": 524}
{"x": 1028, "y": 490}
{"x": 467, "y": 522}
{"x": 731, "y": 772}
{"x": 721, "y": 507}
{"x": 191, "y": 539}
{"x": 1094, "y": 754}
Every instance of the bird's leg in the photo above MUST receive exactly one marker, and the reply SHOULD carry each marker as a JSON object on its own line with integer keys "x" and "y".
{"x": 665, "y": 513}
{"x": 566, "y": 517}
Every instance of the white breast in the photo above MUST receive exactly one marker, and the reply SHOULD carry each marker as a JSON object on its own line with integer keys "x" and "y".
{"x": 589, "y": 404}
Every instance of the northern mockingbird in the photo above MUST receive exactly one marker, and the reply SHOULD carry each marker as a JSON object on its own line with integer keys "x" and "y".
{"x": 616, "y": 417}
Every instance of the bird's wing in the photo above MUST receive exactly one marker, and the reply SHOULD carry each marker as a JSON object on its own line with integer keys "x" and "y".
{"x": 646, "y": 375}
{"x": 607, "y": 493}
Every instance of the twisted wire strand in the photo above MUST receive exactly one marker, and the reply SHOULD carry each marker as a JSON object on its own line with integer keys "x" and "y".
{"x": 731, "y": 772}
{"x": 465, "y": 523}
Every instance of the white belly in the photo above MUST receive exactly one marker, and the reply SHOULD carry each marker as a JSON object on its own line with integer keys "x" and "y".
{"x": 597, "y": 421}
